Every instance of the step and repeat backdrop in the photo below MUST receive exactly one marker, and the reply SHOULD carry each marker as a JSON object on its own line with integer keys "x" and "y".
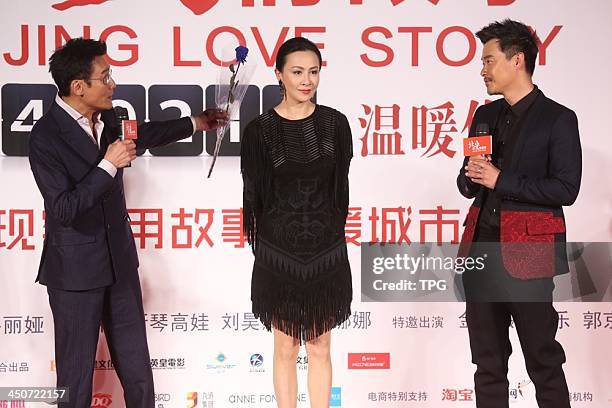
{"x": 406, "y": 74}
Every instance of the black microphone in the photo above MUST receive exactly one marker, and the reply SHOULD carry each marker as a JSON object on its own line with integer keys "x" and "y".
{"x": 482, "y": 129}
{"x": 121, "y": 114}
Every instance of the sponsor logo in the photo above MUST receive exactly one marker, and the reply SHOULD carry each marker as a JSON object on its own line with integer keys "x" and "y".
{"x": 335, "y": 399}
{"x": 256, "y": 361}
{"x": 369, "y": 361}
{"x": 162, "y": 398}
{"x": 101, "y": 400}
{"x": 221, "y": 364}
{"x": 192, "y": 399}
{"x": 204, "y": 399}
{"x": 302, "y": 362}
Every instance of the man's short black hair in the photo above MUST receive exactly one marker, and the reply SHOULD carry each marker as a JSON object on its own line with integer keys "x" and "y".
{"x": 74, "y": 61}
{"x": 514, "y": 37}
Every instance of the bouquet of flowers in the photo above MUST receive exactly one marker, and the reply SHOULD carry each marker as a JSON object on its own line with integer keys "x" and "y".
{"x": 234, "y": 78}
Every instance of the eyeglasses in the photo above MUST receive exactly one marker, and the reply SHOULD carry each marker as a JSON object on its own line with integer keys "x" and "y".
{"x": 106, "y": 79}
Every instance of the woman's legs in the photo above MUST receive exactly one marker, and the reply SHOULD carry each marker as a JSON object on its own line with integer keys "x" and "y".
{"x": 319, "y": 370}
{"x": 286, "y": 349}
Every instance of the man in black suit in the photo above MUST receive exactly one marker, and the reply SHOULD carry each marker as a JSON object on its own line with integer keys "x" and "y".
{"x": 89, "y": 261}
{"x": 517, "y": 220}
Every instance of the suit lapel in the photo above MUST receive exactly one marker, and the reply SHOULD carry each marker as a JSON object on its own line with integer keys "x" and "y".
{"x": 109, "y": 134}
{"x": 74, "y": 135}
{"x": 527, "y": 127}
{"x": 104, "y": 142}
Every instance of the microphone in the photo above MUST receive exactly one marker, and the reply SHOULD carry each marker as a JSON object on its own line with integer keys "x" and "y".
{"x": 126, "y": 128}
{"x": 480, "y": 144}
{"x": 482, "y": 129}
{"x": 121, "y": 114}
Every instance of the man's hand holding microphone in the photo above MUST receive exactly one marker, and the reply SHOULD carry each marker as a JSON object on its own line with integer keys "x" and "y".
{"x": 121, "y": 153}
{"x": 481, "y": 171}
{"x": 479, "y": 148}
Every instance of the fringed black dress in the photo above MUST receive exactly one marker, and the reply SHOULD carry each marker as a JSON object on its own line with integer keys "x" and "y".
{"x": 295, "y": 175}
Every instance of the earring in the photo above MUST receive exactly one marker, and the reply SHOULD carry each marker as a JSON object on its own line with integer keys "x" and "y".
{"x": 282, "y": 88}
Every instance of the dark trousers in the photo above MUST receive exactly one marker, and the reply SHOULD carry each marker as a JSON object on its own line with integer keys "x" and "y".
{"x": 77, "y": 316}
{"x": 536, "y": 325}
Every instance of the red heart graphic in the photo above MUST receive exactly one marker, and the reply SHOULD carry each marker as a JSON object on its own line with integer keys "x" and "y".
{"x": 199, "y": 6}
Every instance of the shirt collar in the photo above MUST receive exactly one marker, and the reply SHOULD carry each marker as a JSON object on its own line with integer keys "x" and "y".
{"x": 519, "y": 108}
{"x": 74, "y": 114}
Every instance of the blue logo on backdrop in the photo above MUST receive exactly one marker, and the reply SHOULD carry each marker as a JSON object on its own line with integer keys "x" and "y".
{"x": 336, "y": 397}
{"x": 256, "y": 360}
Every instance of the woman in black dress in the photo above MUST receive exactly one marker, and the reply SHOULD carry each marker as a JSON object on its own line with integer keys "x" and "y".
{"x": 295, "y": 160}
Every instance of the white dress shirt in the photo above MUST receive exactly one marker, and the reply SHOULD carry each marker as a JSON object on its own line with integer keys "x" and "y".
{"x": 84, "y": 124}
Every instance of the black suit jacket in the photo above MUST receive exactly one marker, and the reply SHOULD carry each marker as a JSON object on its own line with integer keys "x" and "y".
{"x": 542, "y": 176}
{"x": 88, "y": 240}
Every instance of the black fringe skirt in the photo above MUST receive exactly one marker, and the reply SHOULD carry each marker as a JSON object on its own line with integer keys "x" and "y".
{"x": 301, "y": 309}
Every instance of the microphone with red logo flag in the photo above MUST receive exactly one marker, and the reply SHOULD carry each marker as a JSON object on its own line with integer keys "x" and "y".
{"x": 126, "y": 128}
{"x": 481, "y": 144}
